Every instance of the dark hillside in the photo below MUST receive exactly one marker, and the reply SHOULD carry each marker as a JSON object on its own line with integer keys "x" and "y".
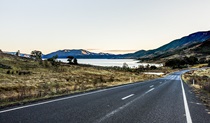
{"x": 204, "y": 47}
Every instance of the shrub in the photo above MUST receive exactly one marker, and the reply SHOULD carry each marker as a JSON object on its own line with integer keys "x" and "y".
{"x": 153, "y": 67}
{"x": 111, "y": 79}
{"x": 181, "y": 63}
{"x": 67, "y": 79}
{"x": 8, "y": 72}
{"x": 5, "y": 66}
{"x": 125, "y": 66}
{"x": 75, "y": 61}
{"x": 36, "y": 55}
{"x": 207, "y": 87}
{"x": 53, "y": 60}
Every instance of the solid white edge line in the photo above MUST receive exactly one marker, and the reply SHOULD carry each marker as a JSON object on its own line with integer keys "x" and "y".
{"x": 46, "y": 102}
{"x": 69, "y": 97}
{"x": 127, "y": 96}
{"x": 187, "y": 111}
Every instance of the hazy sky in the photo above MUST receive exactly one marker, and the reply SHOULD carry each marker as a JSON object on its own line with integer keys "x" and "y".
{"x": 98, "y": 25}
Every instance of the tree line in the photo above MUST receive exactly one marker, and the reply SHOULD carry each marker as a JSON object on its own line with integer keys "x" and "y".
{"x": 184, "y": 62}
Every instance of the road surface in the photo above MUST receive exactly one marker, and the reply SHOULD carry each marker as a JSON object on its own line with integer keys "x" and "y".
{"x": 164, "y": 100}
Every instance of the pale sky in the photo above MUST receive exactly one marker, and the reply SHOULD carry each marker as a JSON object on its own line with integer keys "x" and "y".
{"x": 98, "y": 25}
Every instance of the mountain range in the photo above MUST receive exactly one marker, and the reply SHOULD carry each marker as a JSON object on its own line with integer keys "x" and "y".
{"x": 200, "y": 50}
{"x": 175, "y": 45}
{"x": 78, "y": 53}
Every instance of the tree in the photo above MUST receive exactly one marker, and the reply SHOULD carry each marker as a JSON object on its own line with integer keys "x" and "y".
{"x": 191, "y": 60}
{"x": 18, "y": 53}
{"x": 174, "y": 63}
{"x": 36, "y": 55}
{"x": 141, "y": 68}
{"x": 153, "y": 67}
{"x": 181, "y": 63}
{"x": 202, "y": 60}
{"x": 75, "y": 61}
{"x": 53, "y": 60}
{"x": 147, "y": 66}
{"x": 70, "y": 58}
{"x": 125, "y": 65}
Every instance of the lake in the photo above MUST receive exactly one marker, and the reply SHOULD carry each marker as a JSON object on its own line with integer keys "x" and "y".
{"x": 112, "y": 62}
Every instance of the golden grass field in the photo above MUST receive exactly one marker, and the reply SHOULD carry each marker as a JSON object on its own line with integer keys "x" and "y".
{"x": 29, "y": 80}
{"x": 199, "y": 80}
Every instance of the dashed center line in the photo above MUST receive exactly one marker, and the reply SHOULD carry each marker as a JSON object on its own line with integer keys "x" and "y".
{"x": 124, "y": 106}
{"x": 127, "y": 96}
{"x": 150, "y": 90}
{"x": 151, "y": 86}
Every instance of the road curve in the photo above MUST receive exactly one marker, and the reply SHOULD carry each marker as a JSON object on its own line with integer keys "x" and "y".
{"x": 164, "y": 100}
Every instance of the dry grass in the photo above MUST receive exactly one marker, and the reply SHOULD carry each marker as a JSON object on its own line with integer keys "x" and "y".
{"x": 201, "y": 85}
{"x": 42, "y": 80}
{"x": 200, "y": 65}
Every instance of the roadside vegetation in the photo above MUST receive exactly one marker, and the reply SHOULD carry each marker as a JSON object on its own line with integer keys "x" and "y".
{"x": 28, "y": 79}
{"x": 182, "y": 62}
{"x": 199, "y": 80}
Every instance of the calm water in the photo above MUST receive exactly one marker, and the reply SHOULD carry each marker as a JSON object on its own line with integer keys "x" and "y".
{"x": 111, "y": 62}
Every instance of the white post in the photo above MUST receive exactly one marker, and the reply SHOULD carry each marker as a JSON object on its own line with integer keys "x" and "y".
{"x": 193, "y": 82}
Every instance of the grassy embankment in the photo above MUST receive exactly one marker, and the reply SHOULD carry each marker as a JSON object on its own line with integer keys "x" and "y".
{"x": 201, "y": 84}
{"x": 23, "y": 80}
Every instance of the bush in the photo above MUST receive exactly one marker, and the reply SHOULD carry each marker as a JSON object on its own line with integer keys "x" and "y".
{"x": 53, "y": 60}
{"x": 20, "y": 73}
{"x": 24, "y": 73}
{"x": 153, "y": 67}
{"x": 111, "y": 79}
{"x": 36, "y": 55}
{"x": 181, "y": 63}
{"x": 207, "y": 87}
{"x": 5, "y": 66}
{"x": 8, "y": 72}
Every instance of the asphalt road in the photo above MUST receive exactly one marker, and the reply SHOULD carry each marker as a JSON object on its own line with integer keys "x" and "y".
{"x": 164, "y": 100}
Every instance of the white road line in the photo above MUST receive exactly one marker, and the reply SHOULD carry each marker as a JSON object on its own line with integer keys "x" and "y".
{"x": 122, "y": 107}
{"x": 187, "y": 112}
{"x": 69, "y": 97}
{"x": 150, "y": 90}
{"x": 55, "y": 100}
{"x": 127, "y": 97}
{"x": 151, "y": 86}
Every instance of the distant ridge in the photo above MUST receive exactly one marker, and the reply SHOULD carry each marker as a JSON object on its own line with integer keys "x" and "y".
{"x": 78, "y": 53}
{"x": 173, "y": 45}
